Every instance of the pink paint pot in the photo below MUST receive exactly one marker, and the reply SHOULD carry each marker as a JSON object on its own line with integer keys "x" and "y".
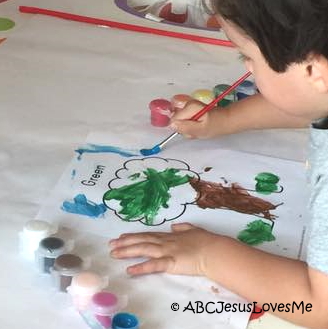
{"x": 84, "y": 285}
{"x": 179, "y": 101}
{"x": 160, "y": 112}
{"x": 104, "y": 305}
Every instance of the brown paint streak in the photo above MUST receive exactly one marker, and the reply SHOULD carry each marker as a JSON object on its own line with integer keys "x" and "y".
{"x": 215, "y": 290}
{"x": 234, "y": 197}
{"x": 2, "y": 40}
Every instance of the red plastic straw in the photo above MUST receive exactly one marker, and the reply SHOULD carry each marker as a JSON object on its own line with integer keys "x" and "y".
{"x": 124, "y": 26}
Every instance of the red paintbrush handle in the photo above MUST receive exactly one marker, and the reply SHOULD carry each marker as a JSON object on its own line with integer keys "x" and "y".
{"x": 124, "y": 26}
{"x": 211, "y": 105}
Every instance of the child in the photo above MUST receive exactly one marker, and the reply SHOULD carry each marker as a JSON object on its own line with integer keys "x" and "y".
{"x": 284, "y": 43}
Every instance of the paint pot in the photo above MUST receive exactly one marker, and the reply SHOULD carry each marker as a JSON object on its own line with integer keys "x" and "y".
{"x": 179, "y": 101}
{"x": 160, "y": 112}
{"x": 84, "y": 285}
{"x": 65, "y": 267}
{"x": 125, "y": 321}
{"x": 228, "y": 99}
{"x": 245, "y": 89}
{"x": 49, "y": 249}
{"x": 31, "y": 235}
{"x": 203, "y": 95}
{"x": 104, "y": 305}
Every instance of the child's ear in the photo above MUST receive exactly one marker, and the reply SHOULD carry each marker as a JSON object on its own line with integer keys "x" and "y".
{"x": 317, "y": 72}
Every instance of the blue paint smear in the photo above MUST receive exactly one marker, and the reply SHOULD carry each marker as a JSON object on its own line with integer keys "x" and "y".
{"x": 73, "y": 174}
{"x": 94, "y": 148}
{"x": 82, "y": 206}
{"x": 146, "y": 152}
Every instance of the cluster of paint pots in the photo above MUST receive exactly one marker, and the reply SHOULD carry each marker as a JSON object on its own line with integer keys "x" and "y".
{"x": 161, "y": 110}
{"x": 98, "y": 307}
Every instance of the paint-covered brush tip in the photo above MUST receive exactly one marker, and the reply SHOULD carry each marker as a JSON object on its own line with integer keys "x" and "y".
{"x": 146, "y": 152}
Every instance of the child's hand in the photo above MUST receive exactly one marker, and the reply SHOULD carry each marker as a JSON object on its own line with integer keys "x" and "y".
{"x": 183, "y": 251}
{"x": 205, "y": 127}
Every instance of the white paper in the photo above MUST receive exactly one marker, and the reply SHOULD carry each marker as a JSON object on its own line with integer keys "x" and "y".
{"x": 92, "y": 174}
{"x": 224, "y": 166}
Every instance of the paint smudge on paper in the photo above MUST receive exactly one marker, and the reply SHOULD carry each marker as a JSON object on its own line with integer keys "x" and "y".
{"x": 234, "y": 197}
{"x": 73, "y": 174}
{"x": 266, "y": 183}
{"x": 215, "y": 290}
{"x": 94, "y": 148}
{"x": 256, "y": 233}
{"x": 2, "y": 40}
{"x": 135, "y": 176}
{"x": 6, "y": 24}
{"x": 207, "y": 169}
{"x": 146, "y": 198}
{"x": 151, "y": 190}
{"x": 82, "y": 206}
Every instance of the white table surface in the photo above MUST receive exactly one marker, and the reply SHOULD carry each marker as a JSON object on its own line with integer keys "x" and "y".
{"x": 58, "y": 81}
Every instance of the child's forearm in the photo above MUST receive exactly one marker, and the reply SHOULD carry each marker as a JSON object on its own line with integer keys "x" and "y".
{"x": 265, "y": 278}
{"x": 254, "y": 112}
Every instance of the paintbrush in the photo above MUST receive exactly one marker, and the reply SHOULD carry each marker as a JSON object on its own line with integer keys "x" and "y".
{"x": 157, "y": 148}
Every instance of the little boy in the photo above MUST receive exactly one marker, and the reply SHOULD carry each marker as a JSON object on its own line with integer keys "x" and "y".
{"x": 284, "y": 43}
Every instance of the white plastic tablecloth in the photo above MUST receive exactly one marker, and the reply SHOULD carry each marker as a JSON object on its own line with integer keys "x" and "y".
{"x": 59, "y": 80}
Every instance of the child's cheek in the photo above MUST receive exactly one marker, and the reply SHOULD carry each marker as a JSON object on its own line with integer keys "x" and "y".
{"x": 249, "y": 66}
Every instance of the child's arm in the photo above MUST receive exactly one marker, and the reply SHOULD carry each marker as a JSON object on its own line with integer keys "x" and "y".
{"x": 254, "y": 112}
{"x": 251, "y": 273}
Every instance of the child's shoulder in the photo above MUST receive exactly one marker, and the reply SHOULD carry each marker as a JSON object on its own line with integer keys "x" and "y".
{"x": 317, "y": 252}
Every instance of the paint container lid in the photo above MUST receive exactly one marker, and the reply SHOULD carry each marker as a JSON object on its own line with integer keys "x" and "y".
{"x": 51, "y": 247}
{"x": 68, "y": 264}
{"x": 220, "y": 88}
{"x": 87, "y": 283}
{"x": 31, "y": 235}
{"x": 246, "y": 87}
{"x": 203, "y": 95}
{"x": 125, "y": 321}
{"x": 104, "y": 303}
{"x": 160, "y": 107}
{"x": 179, "y": 101}
{"x": 37, "y": 228}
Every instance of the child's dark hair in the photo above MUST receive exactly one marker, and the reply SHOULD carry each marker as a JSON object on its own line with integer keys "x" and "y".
{"x": 286, "y": 31}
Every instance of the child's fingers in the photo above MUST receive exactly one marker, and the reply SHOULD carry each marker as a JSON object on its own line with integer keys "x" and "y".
{"x": 134, "y": 238}
{"x": 144, "y": 249}
{"x": 150, "y": 266}
{"x": 188, "y": 128}
{"x": 181, "y": 227}
{"x": 191, "y": 108}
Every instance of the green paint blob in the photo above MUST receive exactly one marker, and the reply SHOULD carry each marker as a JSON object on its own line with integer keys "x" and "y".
{"x": 266, "y": 188}
{"x": 135, "y": 176}
{"x": 144, "y": 199}
{"x": 266, "y": 183}
{"x": 267, "y": 177}
{"x": 256, "y": 233}
{"x": 6, "y": 24}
